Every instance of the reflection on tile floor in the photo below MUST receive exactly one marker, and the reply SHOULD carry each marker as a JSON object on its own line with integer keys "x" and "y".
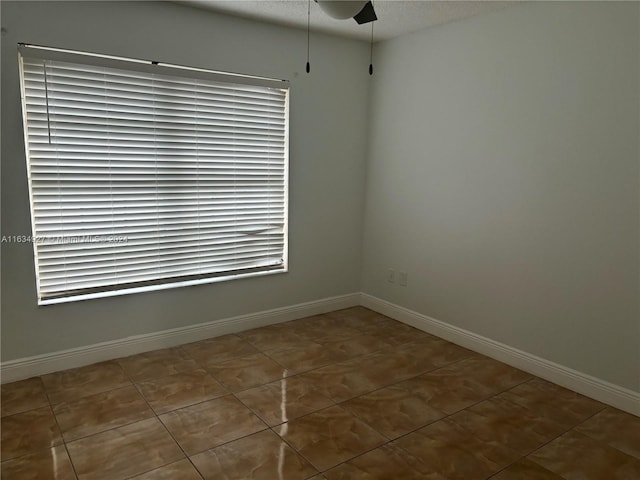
{"x": 348, "y": 395}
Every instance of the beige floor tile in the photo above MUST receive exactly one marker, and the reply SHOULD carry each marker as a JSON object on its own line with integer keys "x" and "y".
{"x": 355, "y": 346}
{"x": 493, "y": 375}
{"x": 526, "y": 470}
{"x": 384, "y": 323}
{"x": 384, "y": 463}
{"x": 28, "y": 432}
{"x": 273, "y": 337}
{"x": 327, "y": 329}
{"x": 575, "y": 456}
{"x": 158, "y": 363}
{"x": 342, "y": 381}
{"x": 313, "y": 322}
{"x": 551, "y": 401}
{"x": 180, "y": 470}
{"x": 455, "y": 453}
{"x": 397, "y": 333}
{"x": 100, "y": 412}
{"x": 243, "y": 373}
{"x": 124, "y": 452}
{"x": 359, "y": 318}
{"x": 51, "y": 463}
{"x": 261, "y": 456}
{"x": 211, "y": 423}
{"x": 180, "y": 390}
{"x": 447, "y": 389}
{"x": 284, "y": 400}
{"x": 70, "y": 385}
{"x": 409, "y": 360}
{"x": 216, "y": 350}
{"x": 433, "y": 351}
{"x": 352, "y": 393}
{"x": 324, "y": 328}
{"x": 21, "y": 396}
{"x": 615, "y": 428}
{"x": 511, "y": 425}
{"x": 464, "y": 383}
{"x": 330, "y": 436}
{"x": 393, "y": 411}
{"x": 307, "y": 357}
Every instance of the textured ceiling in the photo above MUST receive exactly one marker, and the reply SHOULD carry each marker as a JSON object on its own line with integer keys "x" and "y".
{"x": 395, "y": 17}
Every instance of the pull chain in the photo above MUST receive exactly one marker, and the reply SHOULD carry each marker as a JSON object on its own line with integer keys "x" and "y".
{"x": 371, "y": 52}
{"x": 308, "y": 33}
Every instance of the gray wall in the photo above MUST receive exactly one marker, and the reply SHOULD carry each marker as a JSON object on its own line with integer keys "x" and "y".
{"x": 503, "y": 177}
{"x": 327, "y": 168}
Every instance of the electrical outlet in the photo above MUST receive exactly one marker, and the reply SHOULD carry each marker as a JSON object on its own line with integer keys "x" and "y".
{"x": 402, "y": 279}
{"x": 391, "y": 275}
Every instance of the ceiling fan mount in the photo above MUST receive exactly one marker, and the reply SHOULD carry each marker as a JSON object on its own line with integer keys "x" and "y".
{"x": 361, "y": 11}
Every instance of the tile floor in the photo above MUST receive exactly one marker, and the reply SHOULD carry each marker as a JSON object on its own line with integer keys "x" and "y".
{"x": 347, "y": 395}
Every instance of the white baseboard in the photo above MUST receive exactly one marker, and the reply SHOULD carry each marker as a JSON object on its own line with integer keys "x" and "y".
{"x": 593, "y": 387}
{"x": 77, "y": 357}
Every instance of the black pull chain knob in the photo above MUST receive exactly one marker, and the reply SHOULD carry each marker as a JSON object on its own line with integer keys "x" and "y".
{"x": 308, "y": 67}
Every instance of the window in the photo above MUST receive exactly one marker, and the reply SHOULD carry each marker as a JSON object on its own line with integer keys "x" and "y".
{"x": 146, "y": 175}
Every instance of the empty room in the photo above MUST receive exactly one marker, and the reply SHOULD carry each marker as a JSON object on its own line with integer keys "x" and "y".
{"x": 320, "y": 240}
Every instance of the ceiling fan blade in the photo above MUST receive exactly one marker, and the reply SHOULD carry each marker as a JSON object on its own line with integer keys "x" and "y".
{"x": 366, "y": 15}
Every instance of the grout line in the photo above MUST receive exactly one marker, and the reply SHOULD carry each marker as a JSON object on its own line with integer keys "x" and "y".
{"x": 564, "y": 433}
{"x": 64, "y": 442}
{"x": 73, "y": 466}
{"x": 604, "y": 407}
{"x": 525, "y": 456}
{"x": 109, "y": 428}
{"x": 157, "y": 417}
{"x": 290, "y": 445}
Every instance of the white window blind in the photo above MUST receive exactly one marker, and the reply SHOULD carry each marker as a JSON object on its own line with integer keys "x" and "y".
{"x": 147, "y": 175}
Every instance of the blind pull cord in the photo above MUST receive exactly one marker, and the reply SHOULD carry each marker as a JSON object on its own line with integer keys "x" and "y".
{"x": 46, "y": 99}
{"x": 371, "y": 52}
{"x": 308, "y": 33}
